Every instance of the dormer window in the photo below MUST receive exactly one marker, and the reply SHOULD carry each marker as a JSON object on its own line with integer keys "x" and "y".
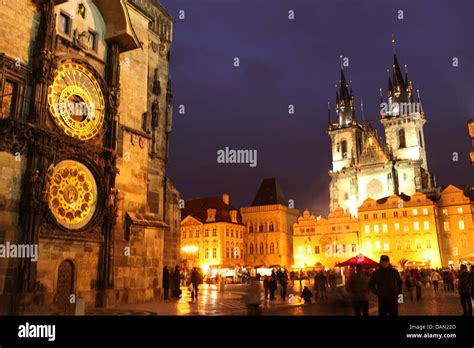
{"x": 211, "y": 215}
{"x": 233, "y": 215}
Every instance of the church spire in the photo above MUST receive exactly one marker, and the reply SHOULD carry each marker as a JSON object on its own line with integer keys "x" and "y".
{"x": 345, "y": 101}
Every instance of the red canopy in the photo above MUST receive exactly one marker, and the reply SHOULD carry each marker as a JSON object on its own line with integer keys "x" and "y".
{"x": 359, "y": 260}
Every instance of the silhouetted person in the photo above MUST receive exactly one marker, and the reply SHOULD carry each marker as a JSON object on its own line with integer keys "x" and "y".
{"x": 195, "y": 283}
{"x": 307, "y": 295}
{"x": 166, "y": 282}
{"x": 177, "y": 282}
{"x": 464, "y": 288}
{"x": 387, "y": 285}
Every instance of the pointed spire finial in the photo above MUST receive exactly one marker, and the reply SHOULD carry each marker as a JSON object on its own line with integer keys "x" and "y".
{"x": 393, "y": 44}
{"x": 362, "y": 110}
{"x": 340, "y": 58}
{"x": 406, "y": 69}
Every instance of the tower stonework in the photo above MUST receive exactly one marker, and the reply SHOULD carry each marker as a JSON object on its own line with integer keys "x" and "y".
{"x": 363, "y": 165}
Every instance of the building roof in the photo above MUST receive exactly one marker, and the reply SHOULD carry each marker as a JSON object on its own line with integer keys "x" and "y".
{"x": 197, "y": 207}
{"x": 269, "y": 193}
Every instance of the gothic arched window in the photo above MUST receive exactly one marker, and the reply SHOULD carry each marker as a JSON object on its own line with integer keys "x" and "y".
{"x": 271, "y": 227}
{"x": 250, "y": 228}
{"x": 251, "y": 249}
{"x": 260, "y": 228}
{"x": 261, "y": 248}
{"x": 272, "y": 248}
{"x": 344, "y": 149}
{"x": 401, "y": 138}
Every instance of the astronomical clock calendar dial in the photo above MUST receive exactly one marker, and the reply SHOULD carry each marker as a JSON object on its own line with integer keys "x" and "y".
{"x": 72, "y": 194}
{"x": 76, "y": 101}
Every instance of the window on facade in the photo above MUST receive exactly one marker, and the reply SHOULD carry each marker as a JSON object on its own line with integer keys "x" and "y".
{"x": 367, "y": 246}
{"x": 397, "y": 226}
{"x": 206, "y": 253}
{"x": 375, "y": 216}
{"x": 308, "y": 249}
{"x": 197, "y": 234}
{"x": 251, "y": 249}
{"x": 260, "y": 228}
{"x": 266, "y": 248}
{"x": 384, "y": 215}
{"x": 426, "y": 225}
{"x": 377, "y": 245}
{"x": 214, "y": 253}
{"x": 354, "y": 248}
{"x": 384, "y": 228}
{"x": 8, "y": 99}
{"x": 227, "y": 252}
{"x": 460, "y": 210}
{"x": 250, "y": 228}
{"x": 418, "y": 244}
{"x": 366, "y": 216}
{"x": 316, "y": 249}
{"x": 428, "y": 244}
{"x": 367, "y": 228}
{"x": 448, "y": 243}
{"x": 92, "y": 41}
{"x": 272, "y": 248}
{"x": 261, "y": 248}
{"x": 425, "y": 211}
{"x": 184, "y": 234}
{"x": 446, "y": 225}
{"x": 395, "y": 214}
{"x": 461, "y": 225}
{"x": 445, "y": 212}
{"x": 398, "y": 245}
{"x": 300, "y": 250}
{"x": 463, "y": 242}
{"x": 64, "y": 23}
{"x": 206, "y": 233}
{"x": 416, "y": 226}
{"x": 386, "y": 246}
{"x": 406, "y": 228}
{"x": 404, "y": 213}
{"x": 401, "y": 138}
{"x": 214, "y": 232}
{"x": 415, "y": 212}
{"x": 376, "y": 228}
{"x": 232, "y": 233}
{"x": 227, "y": 232}
{"x": 333, "y": 228}
{"x": 271, "y": 227}
{"x": 344, "y": 149}
{"x": 240, "y": 234}
{"x": 407, "y": 245}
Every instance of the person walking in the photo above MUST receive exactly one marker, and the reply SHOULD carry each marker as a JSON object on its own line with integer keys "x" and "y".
{"x": 177, "y": 282}
{"x": 435, "y": 278}
{"x": 194, "y": 283}
{"x": 283, "y": 283}
{"x": 418, "y": 283}
{"x": 253, "y": 297}
{"x": 292, "y": 278}
{"x": 273, "y": 285}
{"x": 320, "y": 283}
{"x": 166, "y": 282}
{"x": 387, "y": 285}
{"x": 358, "y": 288}
{"x": 472, "y": 281}
{"x": 464, "y": 289}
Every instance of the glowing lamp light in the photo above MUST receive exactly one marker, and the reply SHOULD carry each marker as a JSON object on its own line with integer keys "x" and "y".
{"x": 189, "y": 249}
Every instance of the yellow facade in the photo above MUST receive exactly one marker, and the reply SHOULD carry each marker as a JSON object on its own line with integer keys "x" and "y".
{"x": 325, "y": 242}
{"x": 269, "y": 234}
{"x": 208, "y": 244}
{"x": 455, "y": 223}
{"x": 404, "y": 228}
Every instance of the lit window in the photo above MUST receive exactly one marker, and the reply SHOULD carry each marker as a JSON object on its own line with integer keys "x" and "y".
{"x": 308, "y": 249}
{"x": 398, "y": 245}
{"x": 375, "y": 216}
{"x": 354, "y": 248}
{"x": 445, "y": 212}
{"x": 214, "y": 232}
{"x": 425, "y": 211}
{"x": 367, "y": 246}
{"x": 386, "y": 246}
{"x": 206, "y": 253}
{"x": 206, "y": 233}
{"x": 367, "y": 228}
{"x": 406, "y": 228}
{"x": 397, "y": 226}
{"x": 461, "y": 225}
{"x": 384, "y": 228}
{"x": 459, "y": 210}
{"x": 214, "y": 253}
{"x": 8, "y": 99}
{"x": 418, "y": 244}
{"x": 300, "y": 250}
{"x": 64, "y": 23}
{"x": 377, "y": 245}
{"x": 428, "y": 244}
{"x": 415, "y": 212}
{"x": 376, "y": 228}
{"x": 395, "y": 214}
{"x": 426, "y": 225}
{"x": 316, "y": 249}
{"x": 446, "y": 225}
{"x": 407, "y": 245}
{"x": 416, "y": 226}
{"x": 384, "y": 215}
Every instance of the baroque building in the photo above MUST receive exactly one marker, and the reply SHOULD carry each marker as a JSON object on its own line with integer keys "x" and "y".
{"x": 85, "y": 120}
{"x": 269, "y": 232}
{"x": 212, "y": 234}
{"x": 363, "y": 165}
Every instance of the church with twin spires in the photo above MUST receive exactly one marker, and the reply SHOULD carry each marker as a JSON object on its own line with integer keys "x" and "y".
{"x": 365, "y": 166}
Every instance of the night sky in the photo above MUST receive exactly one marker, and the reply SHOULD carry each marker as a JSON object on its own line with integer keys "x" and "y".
{"x": 285, "y": 62}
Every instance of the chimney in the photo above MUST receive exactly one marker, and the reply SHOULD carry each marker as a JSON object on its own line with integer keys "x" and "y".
{"x": 226, "y": 198}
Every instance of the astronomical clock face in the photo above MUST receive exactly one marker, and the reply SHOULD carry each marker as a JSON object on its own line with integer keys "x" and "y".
{"x": 72, "y": 194}
{"x": 76, "y": 101}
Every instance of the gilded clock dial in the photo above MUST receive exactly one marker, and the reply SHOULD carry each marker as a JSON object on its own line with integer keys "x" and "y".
{"x": 72, "y": 194}
{"x": 76, "y": 101}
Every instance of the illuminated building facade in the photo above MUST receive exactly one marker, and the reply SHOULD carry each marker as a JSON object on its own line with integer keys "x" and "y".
{"x": 363, "y": 166}
{"x": 212, "y": 234}
{"x": 269, "y": 227}
{"x": 85, "y": 120}
{"x": 321, "y": 241}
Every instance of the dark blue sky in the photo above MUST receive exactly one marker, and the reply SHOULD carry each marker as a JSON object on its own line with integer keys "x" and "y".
{"x": 296, "y": 62}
